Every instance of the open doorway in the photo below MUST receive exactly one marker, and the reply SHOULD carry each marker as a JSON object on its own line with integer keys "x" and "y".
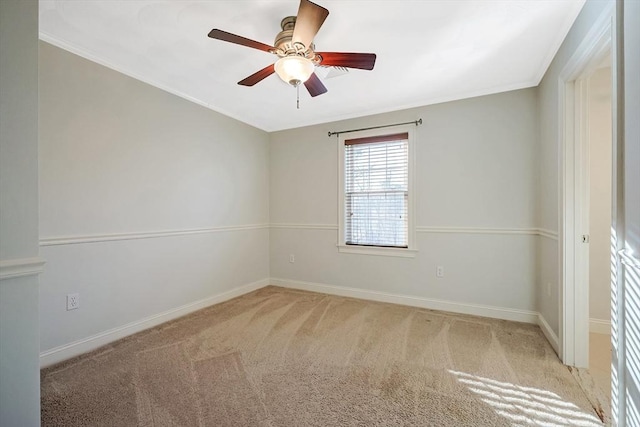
{"x": 600, "y": 142}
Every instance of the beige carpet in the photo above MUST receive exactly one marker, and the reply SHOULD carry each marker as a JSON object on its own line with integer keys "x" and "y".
{"x": 278, "y": 357}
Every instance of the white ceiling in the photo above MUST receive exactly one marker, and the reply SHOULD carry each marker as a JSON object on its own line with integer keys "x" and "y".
{"x": 427, "y": 51}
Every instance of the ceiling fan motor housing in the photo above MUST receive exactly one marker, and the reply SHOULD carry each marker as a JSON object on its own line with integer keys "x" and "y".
{"x": 284, "y": 46}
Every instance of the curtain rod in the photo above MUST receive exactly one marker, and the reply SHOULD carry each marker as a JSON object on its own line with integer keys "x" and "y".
{"x": 415, "y": 122}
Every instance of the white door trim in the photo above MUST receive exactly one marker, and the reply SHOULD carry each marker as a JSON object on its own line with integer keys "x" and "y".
{"x": 574, "y": 190}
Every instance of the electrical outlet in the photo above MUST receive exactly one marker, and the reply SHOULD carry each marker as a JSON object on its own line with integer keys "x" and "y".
{"x": 439, "y": 271}
{"x": 73, "y": 301}
{"x": 292, "y": 258}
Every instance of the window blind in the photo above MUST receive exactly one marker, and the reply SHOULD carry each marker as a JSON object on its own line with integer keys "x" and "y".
{"x": 377, "y": 190}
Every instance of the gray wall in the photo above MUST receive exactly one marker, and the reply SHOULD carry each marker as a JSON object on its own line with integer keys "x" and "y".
{"x": 548, "y": 300}
{"x": 148, "y": 203}
{"x": 19, "y": 336}
{"x": 476, "y": 166}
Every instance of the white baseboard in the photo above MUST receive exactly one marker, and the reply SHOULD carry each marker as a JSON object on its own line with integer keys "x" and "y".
{"x": 76, "y": 348}
{"x": 599, "y": 326}
{"x": 548, "y": 332}
{"x": 413, "y": 301}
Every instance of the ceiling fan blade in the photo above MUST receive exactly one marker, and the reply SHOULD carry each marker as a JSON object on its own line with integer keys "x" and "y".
{"x": 363, "y": 61}
{"x": 232, "y": 38}
{"x": 315, "y": 86}
{"x": 257, "y": 76}
{"x": 310, "y": 19}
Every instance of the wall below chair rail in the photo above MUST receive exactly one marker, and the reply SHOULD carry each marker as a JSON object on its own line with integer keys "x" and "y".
{"x": 122, "y": 282}
{"x": 149, "y": 204}
{"x": 480, "y": 269}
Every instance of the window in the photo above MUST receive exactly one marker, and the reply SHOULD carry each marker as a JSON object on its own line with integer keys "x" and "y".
{"x": 375, "y": 195}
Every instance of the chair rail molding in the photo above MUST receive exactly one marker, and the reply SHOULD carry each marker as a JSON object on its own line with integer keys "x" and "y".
{"x": 527, "y": 231}
{"x": 21, "y": 267}
{"x": 305, "y": 226}
{"x": 95, "y": 238}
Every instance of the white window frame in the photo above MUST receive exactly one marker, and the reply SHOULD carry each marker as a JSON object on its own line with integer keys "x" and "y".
{"x": 411, "y": 250}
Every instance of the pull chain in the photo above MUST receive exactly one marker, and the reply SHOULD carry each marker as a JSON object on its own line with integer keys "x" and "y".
{"x": 298, "y": 96}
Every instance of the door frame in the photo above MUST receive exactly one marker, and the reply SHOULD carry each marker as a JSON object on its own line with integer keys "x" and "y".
{"x": 574, "y": 187}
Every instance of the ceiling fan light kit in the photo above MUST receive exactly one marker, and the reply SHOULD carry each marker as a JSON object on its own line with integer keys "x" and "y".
{"x": 294, "y": 69}
{"x": 296, "y": 51}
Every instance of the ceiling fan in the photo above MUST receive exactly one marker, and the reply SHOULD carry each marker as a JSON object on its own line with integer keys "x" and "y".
{"x": 296, "y": 51}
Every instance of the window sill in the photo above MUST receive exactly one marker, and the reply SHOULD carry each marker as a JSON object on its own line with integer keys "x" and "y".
{"x": 379, "y": 251}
